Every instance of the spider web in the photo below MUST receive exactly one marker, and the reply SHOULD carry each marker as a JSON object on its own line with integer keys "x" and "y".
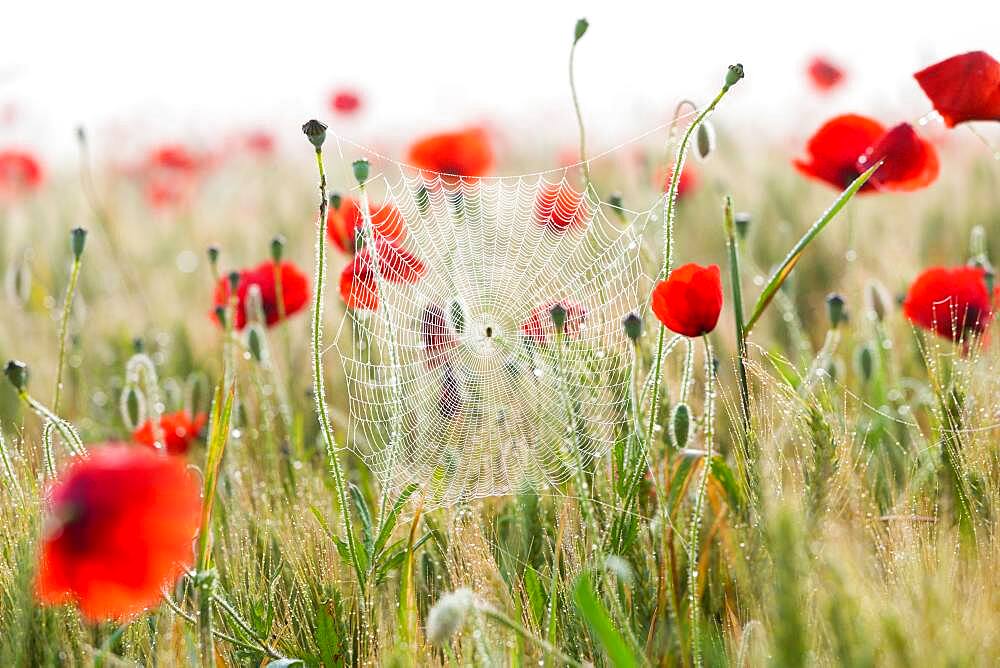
{"x": 458, "y": 380}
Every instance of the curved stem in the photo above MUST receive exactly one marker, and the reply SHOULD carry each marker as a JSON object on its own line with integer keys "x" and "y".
{"x": 74, "y": 274}
{"x": 699, "y": 507}
{"x": 579, "y": 120}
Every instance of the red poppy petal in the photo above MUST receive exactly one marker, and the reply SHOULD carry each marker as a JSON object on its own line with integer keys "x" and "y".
{"x": 911, "y": 162}
{"x": 964, "y": 87}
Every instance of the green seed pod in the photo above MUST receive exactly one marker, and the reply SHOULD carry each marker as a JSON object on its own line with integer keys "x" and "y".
{"x": 213, "y": 255}
{"x": 836, "y": 310}
{"x": 633, "y": 326}
{"x": 133, "y": 407}
{"x": 17, "y": 374}
{"x": 734, "y": 74}
{"x": 315, "y": 132}
{"x": 361, "y": 170}
{"x": 705, "y": 139}
{"x": 277, "y": 248}
{"x": 335, "y": 201}
{"x": 234, "y": 280}
{"x": 865, "y": 361}
{"x": 680, "y": 423}
{"x": 220, "y": 315}
{"x": 580, "y": 30}
{"x": 558, "y": 316}
{"x": 78, "y": 239}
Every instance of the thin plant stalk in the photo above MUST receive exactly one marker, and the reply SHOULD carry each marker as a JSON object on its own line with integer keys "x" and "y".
{"x": 732, "y": 244}
{"x": 581, "y": 28}
{"x": 74, "y": 275}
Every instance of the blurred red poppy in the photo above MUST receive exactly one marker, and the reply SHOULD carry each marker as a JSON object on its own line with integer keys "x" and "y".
{"x": 179, "y": 430}
{"x": 463, "y": 153}
{"x": 120, "y": 527}
{"x": 823, "y": 74}
{"x": 20, "y": 172}
{"x": 953, "y": 302}
{"x": 559, "y": 207}
{"x": 539, "y": 323}
{"x": 174, "y": 157}
{"x": 690, "y": 300}
{"x": 359, "y": 282}
{"x": 345, "y": 102}
{"x": 686, "y": 184}
{"x": 345, "y": 223}
{"x": 294, "y": 290}
{"x": 171, "y": 174}
{"x": 846, "y": 145}
{"x": 259, "y": 142}
{"x": 963, "y": 88}
{"x": 436, "y": 335}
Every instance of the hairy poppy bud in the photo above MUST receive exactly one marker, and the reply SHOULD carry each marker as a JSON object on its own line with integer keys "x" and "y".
{"x": 878, "y": 301}
{"x": 17, "y": 374}
{"x": 220, "y": 315}
{"x": 734, "y": 74}
{"x": 580, "y": 30}
{"x": 316, "y": 132}
{"x": 835, "y": 308}
{"x": 133, "y": 407}
{"x": 615, "y": 200}
{"x": 213, "y": 254}
{"x": 633, "y": 326}
{"x": 865, "y": 361}
{"x": 705, "y": 139}
{"x": 335, "y": 201}
{"x": 277, "y": 247}
{"x": 361, "y": 169}
{"x": 448, "y": 615}
{"x": 742, "y": 221}
{"x": 78, "y": 239}
{"x": 558, "y": 312}
{"x": 138, "y": 345}
{"x": 234, "y": 280}
{"x": 255, "y": 343}
{"x": 680, "y": 424}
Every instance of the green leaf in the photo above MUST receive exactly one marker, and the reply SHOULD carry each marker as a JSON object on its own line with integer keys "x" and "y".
{"x": 724, "y": 475}
{"x": 389, "y": 523}
{"x": 795, "y": 254}
{"x": 600, "y": 623}
{"x": 365, "y": 516}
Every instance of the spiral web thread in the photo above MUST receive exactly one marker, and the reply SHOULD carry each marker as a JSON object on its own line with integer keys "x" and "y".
{"x": 458, "y": 381}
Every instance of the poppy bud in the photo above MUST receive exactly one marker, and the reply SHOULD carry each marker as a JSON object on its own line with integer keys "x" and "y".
{"x": 361, "y": 169}
{"x": 78, "y": 239}
{"x": 213, "y": 254}
{"x": 234, "y": 280}
{"x": 835, "y": 308}
{"x": 633, "y": 326}
{"x": 133, "y": 407}
{"x": 680, "y": 423}
{"x": 734, "y": 74}
{"x": 878, "y": 300}
{"x": 742, "y": 222}
{"x": 277, "y": 248}
{"x": 254, "y": 343}
{"x": 316, "y": 132}
{"x": 705, "y": 139}
{"x": 17, "y": 374}
{"x": 558, "y": 312}
{"x": 615, "y": 200}
{"x": 865, "y": 361}
{"x": 580, "y": 30}
{"x": 335, "y": 200}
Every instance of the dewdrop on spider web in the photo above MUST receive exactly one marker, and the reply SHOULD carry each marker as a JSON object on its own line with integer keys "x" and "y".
{"x": 458, "y": 378}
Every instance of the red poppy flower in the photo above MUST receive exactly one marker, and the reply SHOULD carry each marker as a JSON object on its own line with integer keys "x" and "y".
{"x": 294, "y": 289}
{"x": 178, "y": 430}
{"x": 690, "y": 300}
{"x": 174, "y": 157}
{"x": 963, "y": 88}
{"x": 358, "y": 280}
{"x": 823, "y": 74}
{"x": 171, "y": 174}
{"x": 539, "y": 324}
{"x": 845, "y": 146}
{"x": 20, "y": 172}
{"x": 952, "y": 302}
{"x": 462, "y": 153}
{"x": 559, "y": 207}
{"x": 345, "y": 102}
{"x": 345, "y": 223}
{"x": 259, "y": 142}
{"x": 436, "y": 335}
{"x": 120, "y": 527}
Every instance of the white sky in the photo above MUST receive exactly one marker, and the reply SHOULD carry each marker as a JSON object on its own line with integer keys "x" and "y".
{"x": 189, "y": 65}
